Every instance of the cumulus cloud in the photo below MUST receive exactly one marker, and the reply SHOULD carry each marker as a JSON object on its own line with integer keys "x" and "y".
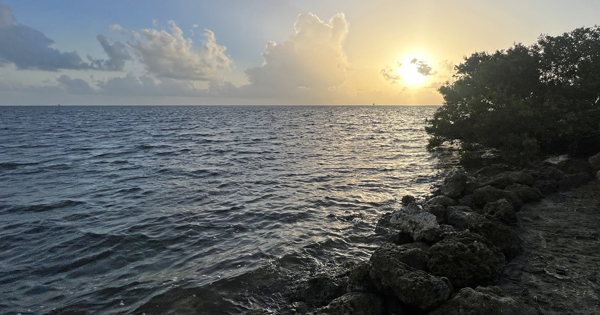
{"x": 390, "y": 74}
{"x": 117, "y": 29}
{"x": 312, "y": 59}
{"x": 171, "y": 55}
{"x": 422, "y": 67}
{"x": 117, "y": 54}
{"x": 28, "y": 48}
{"x": 75, "y": 86}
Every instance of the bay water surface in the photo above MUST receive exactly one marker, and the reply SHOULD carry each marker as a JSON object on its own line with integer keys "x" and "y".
{"x": 195, "y": 210}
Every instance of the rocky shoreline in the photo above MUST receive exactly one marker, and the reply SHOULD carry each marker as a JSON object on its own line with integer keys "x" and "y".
{"x": 476, "y": 246}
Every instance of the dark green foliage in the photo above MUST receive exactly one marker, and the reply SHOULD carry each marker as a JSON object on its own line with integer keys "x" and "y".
{"x": 543, "y": 98}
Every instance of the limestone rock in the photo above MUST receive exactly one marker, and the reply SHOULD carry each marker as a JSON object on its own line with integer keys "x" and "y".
{"x": 493, "y": 170}
{"x": 483, "y": 195}
{"x": 496, "y": 232}
{"x": 546, "y": 186}
{"x": 458, "y": 217}
{"x": 412, "y": 287}
{"x": 466, "y": 259}
{"x": 354, "y": 303}
{"x": 467, "y": 201}
{"x": 501, "y": 210}
{"x": 420, "y": 225}
{"x": 489, "y": 301}
{"x": 499, "y": 181}
{"x": 441, "y": 200}
{"x": 573, "y": 180}
{"x": 359, "y": 279}
{"x": 574, "y": 166}
{"x": 521, "y": 177}
{"x": 390, "y": 231}
{"x": 320, "y": 290}
{"x": 438, "y": 211}
{"x": 526, "y": 193}
{"x": 595, "y": 161}
{"x": 454, "y": 184}
{"x": 598, "y": 176}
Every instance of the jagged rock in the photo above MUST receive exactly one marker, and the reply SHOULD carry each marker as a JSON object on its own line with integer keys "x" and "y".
{"x": 466, "y": 259}
{"x": 574, "y": 166}
{"x": 526, "y": 193}
{"x": 502, "y": 236}
{"x": 438, "y": 211}
{"x": 320, "y": 290}
{"x": 467, "y": 201}
{"x": 454, "y": 184}
{"x": 595, "y": 161}
{"x": 359, "y": 279}
{"x": 440, "y": 200}
{"x": 413, "y": 287}
{"x": 390, "y": 232}
{"x": 458, "y": 217}
{"x": 472, "y": 184}
{"x": 354, "y": 303}
{"x": 550, "y": 173}
{"x": 501, "y": 210}
{"x": 521, "y": 177}
{"x": 546, "y": 186}
{"x": 408, "y": 199}
{"x": 573, "y": 180}
{"x": 489, "y": 301}
{"x": 493, "y": 170}
{"x": 483, "y": 195}
{"x": 499, "y": 181}
{"x": 420, "y": 225}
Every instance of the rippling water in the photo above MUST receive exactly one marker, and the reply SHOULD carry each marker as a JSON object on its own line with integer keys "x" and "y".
{"x": 194, "y": 209}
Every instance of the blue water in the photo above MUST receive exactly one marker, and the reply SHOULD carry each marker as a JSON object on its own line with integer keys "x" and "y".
{"x": 199, "y": 210}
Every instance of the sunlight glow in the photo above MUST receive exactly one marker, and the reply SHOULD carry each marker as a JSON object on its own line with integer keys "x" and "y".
{"x": 409, "y": 74}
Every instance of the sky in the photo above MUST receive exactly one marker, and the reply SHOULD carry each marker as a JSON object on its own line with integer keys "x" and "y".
{"x": 265, "y": 52}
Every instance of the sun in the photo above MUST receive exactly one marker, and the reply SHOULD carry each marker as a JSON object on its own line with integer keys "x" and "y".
{"x": 408, "y": 71}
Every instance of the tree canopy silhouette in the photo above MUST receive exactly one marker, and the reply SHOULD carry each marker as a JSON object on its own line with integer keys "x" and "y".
{"x": 526, "y": 100}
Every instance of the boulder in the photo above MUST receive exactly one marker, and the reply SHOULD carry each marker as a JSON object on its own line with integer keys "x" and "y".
{"x": 359, "y": 279}
{"x": 390, "y": 232}
{"x": 408, "y": 199}
{"x": 521, "y": 177}
{"x": 483, "y": 195}
{"x": 411, "y": 286}
{"x": 467, "y": 201}
{"x": 454, "y": 185}
{"x": 489, "y": 301}
{"x": 440, "y": 200}
{"x": 466, "y": 259}
{"x": 420, "y": 225}
{"x": 573, "y": 180}
{"x": 546, "y": 186}
{"x": 526, "y": 193}
{"x": 595, "y": 161}
{"x": 319, "y": 290}
{"x": 499, "y": 181}
{"x": 458, "y": 217}
{"x": 438, "y": 211}
{"x": 496, "y": 232}
{"x": 574, "y": 166}
{"x": 493, "y": 170}
{"x": 598, "y": 176}
{"x": 501, "y": 210}
{"x": 358, "y": 303}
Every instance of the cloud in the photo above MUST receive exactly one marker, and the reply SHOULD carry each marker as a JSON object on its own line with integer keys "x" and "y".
{"x": 75, "y": 86}
{"x": 422, "y": 67}
{"x": 390, "y": 74}
{"x": 117, "y": 28}
{"x": 117, "y": 54}
{"x": 28, "y": 48}
{"x": 171, "y": 55}
{"x": 312, "y": 59}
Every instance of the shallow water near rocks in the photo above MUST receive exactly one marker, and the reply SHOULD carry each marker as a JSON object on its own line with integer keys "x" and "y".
{"x": 205, "y": 210}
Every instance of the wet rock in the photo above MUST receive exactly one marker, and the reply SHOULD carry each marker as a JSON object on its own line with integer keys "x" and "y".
{"x": 573, "y": 180}
{"x": 501, "y": 210}
{"x": 359, "y": 279}
{"x": 458, "y": 217}
{"x": 358, "y": 303}
{"x": 595, "y": 161}
{"x": 390, "y": 231}
{"x": 526, "y": 193}
{"x": 546, "y": 186}
{"x": 521, "y": 177}
{"x": 499, "y": 181}
{"x": 483, "y": 195}
{"x": 466, "y": 259}
{"x": 489, "y": 301}
{"x": 467, "y": 201}
{"x": 502, "y": 236}
{"x": 438, "y": 211}
{"x": 420, "y": 225}
{"x": 454, "y": 185}
{"x": 411, "y": 286}
{"x": 493, "y": 170}
{"x": 440, "y": 200}
{"x": 319, "y": 290}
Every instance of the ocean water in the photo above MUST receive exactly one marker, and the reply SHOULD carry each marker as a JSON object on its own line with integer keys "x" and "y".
{"x": 195, "y": 210}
